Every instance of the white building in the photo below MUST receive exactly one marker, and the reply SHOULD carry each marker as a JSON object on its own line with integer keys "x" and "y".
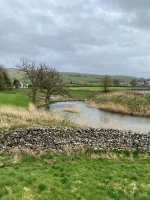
{"x": 125, "y": 84}
{"x": 24, "y": 85}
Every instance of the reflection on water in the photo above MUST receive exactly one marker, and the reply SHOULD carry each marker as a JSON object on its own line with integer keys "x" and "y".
{"x": 96, "y": 118}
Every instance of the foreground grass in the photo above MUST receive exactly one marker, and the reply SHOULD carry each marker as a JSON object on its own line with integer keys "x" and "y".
{"x": 13, "y": 117}
{"x": 126, "y": 102}
{"x": 96, "y": 175}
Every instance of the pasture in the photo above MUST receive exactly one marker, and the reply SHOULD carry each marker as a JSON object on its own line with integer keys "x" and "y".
{"x": 100, "y": 88}
{"x": 76, "y": 175}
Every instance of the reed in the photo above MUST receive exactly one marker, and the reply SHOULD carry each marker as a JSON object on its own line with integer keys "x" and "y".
{"x": 12, "y": 117}
{"x": 72, "y": 109}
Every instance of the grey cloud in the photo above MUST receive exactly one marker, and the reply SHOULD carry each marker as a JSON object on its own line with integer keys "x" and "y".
{"x": 92, "y": 36}
{"x": 131, "y": 5}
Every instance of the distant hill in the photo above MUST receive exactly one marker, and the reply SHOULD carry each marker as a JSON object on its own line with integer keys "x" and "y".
{"x": 70, "y": 77}
{"x": 90, "y": 78}
{"x": 16, "y": 74}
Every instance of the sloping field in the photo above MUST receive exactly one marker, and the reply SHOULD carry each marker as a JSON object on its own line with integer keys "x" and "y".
{"x": 69, "y": 77}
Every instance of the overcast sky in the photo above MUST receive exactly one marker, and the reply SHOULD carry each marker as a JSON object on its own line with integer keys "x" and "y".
{"x": 88, "y": 36}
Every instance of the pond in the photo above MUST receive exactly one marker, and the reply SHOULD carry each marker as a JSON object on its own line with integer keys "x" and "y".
{"x": 96, "y": 118}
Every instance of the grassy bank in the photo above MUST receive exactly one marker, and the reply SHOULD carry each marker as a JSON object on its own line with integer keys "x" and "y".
{"x": 17, "y": 111}
{"x": 126, "y": 102}
{"x": 12, "y": 117}
{"x": 75, "y": 175}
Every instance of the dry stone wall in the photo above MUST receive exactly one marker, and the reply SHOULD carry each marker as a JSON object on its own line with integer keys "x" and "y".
{"x": 58, "y": 138}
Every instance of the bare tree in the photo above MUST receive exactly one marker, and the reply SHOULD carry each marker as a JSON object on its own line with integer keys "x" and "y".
{"x": 52, "y": 83}
{"x": 34, "y": 71}
{"x": 105, "y": 82}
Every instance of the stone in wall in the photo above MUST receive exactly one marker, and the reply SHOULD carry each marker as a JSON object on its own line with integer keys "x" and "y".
{"x": 58, "y": 138}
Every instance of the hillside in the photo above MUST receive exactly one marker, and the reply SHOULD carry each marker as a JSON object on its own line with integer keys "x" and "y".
{"x": 79, "y": 78}
{"x": 16, "y": 74}
{"x": 70, "y": 77}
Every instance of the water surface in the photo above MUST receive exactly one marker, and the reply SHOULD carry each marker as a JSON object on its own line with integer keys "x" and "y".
{"x": 96, "y": 118}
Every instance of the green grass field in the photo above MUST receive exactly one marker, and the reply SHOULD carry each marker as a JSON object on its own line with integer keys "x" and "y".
{"x": 9, "y": 98}
{"x": 96, "y": 89}
{"x": 81, "y": 95}
{"x": 21, "y": 97}
{"x": 96, "y": 175}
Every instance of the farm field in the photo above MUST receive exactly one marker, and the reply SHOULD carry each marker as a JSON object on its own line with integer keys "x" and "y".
{"x": 91, "y": 174}
{"x": 99, "y": 88}
{"x": 21, "y": 97}
{"x": 15, "y": 99}
{"x": 81, "y": 94}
